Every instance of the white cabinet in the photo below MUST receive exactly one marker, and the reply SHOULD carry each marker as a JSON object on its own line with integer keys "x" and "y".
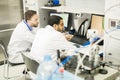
{"x": 112, "y": 38}
{"x": 112, "y": 47}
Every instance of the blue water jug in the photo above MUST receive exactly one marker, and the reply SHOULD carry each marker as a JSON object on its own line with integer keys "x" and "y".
{"x": 55, "y": 2}
{"x": 46, "y": 69}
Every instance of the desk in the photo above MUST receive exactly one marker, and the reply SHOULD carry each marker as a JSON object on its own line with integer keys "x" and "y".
{"x": 111, "y": 75}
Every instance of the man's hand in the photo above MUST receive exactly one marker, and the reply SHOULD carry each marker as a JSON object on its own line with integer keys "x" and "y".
{"x": 68, "y": 36}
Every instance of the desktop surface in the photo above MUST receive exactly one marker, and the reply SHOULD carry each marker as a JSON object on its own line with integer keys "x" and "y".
{"x": 111, "y": 75}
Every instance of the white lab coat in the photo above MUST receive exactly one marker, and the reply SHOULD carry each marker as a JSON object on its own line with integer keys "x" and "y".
{"x": 48, "y": 41}
{"x": 21, "y": 40}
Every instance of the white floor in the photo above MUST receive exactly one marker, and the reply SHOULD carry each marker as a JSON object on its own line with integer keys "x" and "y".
{"x": 17, "y": 70}
{"x": 14, "y": 71}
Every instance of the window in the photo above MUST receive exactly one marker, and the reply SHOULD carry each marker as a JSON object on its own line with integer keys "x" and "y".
{"x": 65, "y": 17}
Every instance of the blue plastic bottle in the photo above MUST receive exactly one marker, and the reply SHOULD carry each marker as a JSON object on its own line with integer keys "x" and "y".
{"x": 46, "y": 69}
{"x": 55, "y": 2}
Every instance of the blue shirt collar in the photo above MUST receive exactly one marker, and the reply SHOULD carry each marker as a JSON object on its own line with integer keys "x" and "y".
{"x": 28, "y": 26}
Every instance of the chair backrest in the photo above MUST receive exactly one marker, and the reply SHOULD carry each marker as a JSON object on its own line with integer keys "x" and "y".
{"x": 31, "y": 64}
{"x": 4, "y": 50}
{"x": 2, "y": 45}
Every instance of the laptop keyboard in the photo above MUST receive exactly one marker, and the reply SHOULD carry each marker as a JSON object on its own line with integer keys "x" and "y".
{"x": 79, "y": 40}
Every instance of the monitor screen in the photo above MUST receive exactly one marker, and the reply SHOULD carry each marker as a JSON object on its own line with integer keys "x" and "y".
{"x": 97, "y": 23}
{"x": 65, "y": 17}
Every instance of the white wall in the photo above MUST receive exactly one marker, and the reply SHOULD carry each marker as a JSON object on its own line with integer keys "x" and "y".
{"x": 10, "y": 12}
{"x": 15, "y": 11}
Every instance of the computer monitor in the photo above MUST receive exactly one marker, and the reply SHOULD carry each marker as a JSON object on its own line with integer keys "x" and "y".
{"x": 65, "y": 17}
{"x": 97, "y": 22}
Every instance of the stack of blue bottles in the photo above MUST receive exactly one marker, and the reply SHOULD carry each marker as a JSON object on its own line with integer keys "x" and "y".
{"x": 46, "y": 69}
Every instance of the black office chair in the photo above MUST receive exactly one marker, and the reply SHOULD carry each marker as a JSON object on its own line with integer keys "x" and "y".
{"x": 6, "y": 61}
{"x": 31, "y": 64}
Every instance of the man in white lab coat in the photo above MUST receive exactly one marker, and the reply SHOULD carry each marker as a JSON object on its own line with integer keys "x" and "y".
{"x": 49, "y": 39}
{"x": 22, "y": 37}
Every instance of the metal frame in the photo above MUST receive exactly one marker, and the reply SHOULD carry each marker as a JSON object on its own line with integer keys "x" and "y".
{"x": 6, "y": 62}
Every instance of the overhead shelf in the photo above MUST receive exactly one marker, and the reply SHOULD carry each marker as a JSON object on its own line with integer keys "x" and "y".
{"x": 50, "y": 8}
{"x": 80, "y": 10}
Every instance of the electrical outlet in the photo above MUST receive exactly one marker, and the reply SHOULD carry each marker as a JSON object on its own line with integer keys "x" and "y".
{"x": 114, "y": 23}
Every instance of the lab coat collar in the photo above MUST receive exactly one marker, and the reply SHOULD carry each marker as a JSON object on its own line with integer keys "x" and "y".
{"x": 50, "y": 27}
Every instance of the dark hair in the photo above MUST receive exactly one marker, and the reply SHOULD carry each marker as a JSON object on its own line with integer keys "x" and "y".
{"x": 29, "y": 14}
{"x": 54, "y": 20}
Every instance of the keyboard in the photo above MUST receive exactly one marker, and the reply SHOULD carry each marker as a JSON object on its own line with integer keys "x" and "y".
{"x": 79, "y": 40}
